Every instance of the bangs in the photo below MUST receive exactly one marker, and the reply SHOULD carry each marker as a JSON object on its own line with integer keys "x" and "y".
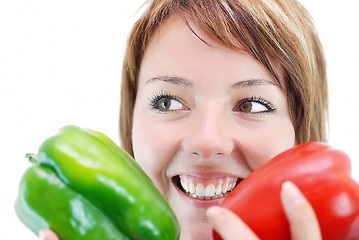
{"x": 272, "y": 31}
{"x": 259, "y": 27}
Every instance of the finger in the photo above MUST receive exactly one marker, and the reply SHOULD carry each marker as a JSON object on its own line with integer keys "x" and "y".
{"x": 229, "y": 225}
{"x": 46, "y": 234}
{"x": 300, "y": 214}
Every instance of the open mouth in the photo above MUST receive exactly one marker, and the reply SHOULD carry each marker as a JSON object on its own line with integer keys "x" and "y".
{"x": 206, "y": 189}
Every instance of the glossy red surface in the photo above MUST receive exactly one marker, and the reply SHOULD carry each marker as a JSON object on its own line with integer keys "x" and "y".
{"x": 321, "y": 173}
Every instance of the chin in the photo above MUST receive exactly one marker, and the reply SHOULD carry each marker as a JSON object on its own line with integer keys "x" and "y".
{"x": 196, "y": 231}
{"x": 193, "y": 221}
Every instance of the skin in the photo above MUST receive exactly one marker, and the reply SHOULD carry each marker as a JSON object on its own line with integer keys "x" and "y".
{"x": 203, "y": 135}
{"x": 191, "y": 120}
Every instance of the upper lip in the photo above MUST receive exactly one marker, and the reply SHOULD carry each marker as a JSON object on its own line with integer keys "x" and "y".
{"x": 209, "y": 174}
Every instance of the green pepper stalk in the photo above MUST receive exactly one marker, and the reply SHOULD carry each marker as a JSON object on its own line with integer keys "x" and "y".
{"x": 85, "y": 187}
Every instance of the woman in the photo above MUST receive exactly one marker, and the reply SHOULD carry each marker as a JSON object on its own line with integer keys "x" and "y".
{"x": 213, "y": 89}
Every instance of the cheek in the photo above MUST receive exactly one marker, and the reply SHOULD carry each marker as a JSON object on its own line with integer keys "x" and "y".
{"x": 269, "y": 142}
{"x": 154, "y": 147}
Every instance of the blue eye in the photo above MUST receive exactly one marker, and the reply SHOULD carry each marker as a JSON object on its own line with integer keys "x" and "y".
{"x": 254, "y": 105}
{"x": 164, "y": 102}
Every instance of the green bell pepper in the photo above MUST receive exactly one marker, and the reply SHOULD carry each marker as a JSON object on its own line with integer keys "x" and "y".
{"x": 83, "y": 186}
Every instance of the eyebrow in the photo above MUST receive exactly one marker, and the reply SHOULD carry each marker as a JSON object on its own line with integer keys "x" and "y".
{"x": 185, "y": 82}
{"x": 252, "y": 83}
{"x": 172, "y": 79}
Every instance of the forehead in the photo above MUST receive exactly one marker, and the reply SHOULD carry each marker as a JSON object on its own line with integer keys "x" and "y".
{"x": 179, "y": 28}
{"x": 185, "y": 42}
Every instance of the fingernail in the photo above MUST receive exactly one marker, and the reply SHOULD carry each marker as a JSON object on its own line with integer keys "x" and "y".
{"x": 291, "y": 193}
{"x": 214, "y": 211}
{"x": 41, "y": 235}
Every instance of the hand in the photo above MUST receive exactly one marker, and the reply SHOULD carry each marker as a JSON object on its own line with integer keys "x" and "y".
{"x": 46, "y": 234}
{"x": 302, "y": 219}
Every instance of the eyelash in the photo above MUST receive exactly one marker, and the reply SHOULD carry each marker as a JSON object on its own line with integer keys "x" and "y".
{"x": 157, "y": 97}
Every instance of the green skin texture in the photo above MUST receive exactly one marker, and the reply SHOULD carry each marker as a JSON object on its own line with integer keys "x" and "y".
{"x": 116, "y": 195}
{"x": 46, "y": 202}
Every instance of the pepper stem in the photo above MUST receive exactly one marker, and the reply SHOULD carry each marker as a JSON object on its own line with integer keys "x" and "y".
{"x": 32, "y": 157}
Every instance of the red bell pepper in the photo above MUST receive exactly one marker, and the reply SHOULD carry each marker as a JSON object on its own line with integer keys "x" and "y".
{"x": 323, "y": 176}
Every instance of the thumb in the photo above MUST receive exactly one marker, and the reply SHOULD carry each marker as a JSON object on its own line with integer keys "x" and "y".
{"x": 228, "y": 225}
{"x": 46, "y": 234}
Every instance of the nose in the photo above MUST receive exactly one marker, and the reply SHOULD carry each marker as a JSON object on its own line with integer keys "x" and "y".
{"x": 209, "y": 135}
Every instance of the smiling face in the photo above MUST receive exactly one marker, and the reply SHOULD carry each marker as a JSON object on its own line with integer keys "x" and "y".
{"x": 205, "y": 117}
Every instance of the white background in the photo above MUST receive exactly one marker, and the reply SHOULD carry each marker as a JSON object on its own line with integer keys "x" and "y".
{"x": 60, "y": 64}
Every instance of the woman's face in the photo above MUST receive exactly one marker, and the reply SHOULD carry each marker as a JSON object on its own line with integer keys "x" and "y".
{"x": 205, "y": 117}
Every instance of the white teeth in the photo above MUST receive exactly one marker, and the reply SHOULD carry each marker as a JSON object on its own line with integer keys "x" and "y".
{"x": 191, "y": 188}
{"x": 219, "y": 189}
{"x": 200, "y": 190}
{"x": 183, "y": 184}
{"x": 225, "y": 187}
{"x": 211, "y": 191}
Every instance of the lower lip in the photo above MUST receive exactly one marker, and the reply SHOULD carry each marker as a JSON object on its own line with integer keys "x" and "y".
{"x": 200, "y": 203}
